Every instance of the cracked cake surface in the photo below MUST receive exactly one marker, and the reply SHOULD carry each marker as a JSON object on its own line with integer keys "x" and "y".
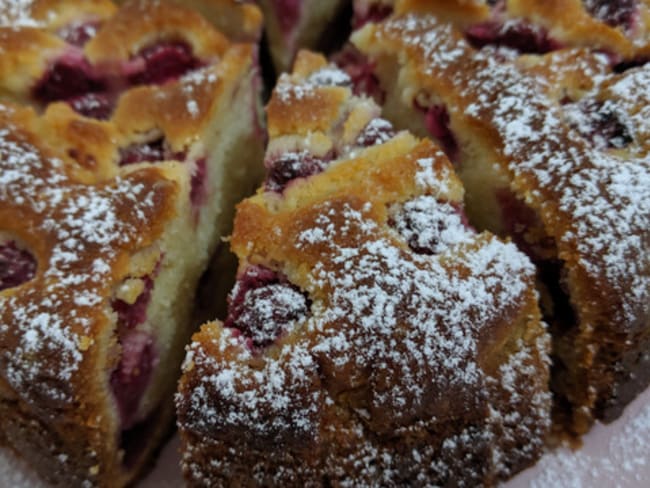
{"x": 400, "y": 345}
{"x": 118, "y": 178}
{"x": 556, "y": 142}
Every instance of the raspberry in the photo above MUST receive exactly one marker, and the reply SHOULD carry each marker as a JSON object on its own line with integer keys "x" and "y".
{"x": 621, "y": 13}
{"x": 69, "y": 77}
{"x": 292, "y": 165}
{"x": 131, "y": 378}
{"x": 521, "y": 36}
{"x": 164, "y": 62}
{"x": 264, "y": 305}
{"x": 17, "y": 266}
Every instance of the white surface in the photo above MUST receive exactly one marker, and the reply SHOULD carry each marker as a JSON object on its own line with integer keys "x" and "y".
{"x": 616, "y": 455}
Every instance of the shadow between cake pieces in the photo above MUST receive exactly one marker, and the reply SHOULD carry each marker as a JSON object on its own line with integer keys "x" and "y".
{"x": 119, "y": 170}
{"x": 552, "y": 150}
{"x": 374, "y": 338}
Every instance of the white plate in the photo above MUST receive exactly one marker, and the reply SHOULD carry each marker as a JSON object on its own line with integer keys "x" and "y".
{"x": 615, "y": 455}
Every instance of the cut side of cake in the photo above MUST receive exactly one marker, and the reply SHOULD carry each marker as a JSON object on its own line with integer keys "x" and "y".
{"x": 373, "y": 337}
{"x": 120, "y": 167}
{"x": 552, "y": 152}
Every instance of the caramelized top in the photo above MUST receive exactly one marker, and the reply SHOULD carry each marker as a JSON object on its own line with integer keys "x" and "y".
{"x": 621, "y": 27}
{"x": 80, "y": 236}
{"x": 391, "y": 333}
{"x": 74, "y": 194}
{"x": 595, "y": 203}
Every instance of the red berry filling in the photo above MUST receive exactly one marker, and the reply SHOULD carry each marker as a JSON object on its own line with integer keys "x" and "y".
{"x": 92, "y": 92}
{"x": 519, "y": 35}
{"x": 130, "y": 315}
{"x": 17, "y": 266}
{"x": 361, "y": 72}
{"x": 292, "y": 165}
{"x": 164, "y": 62}
{"x": 376, "y": 12}
{"x": 436, "y": 120}
{"x": 131, "y": 378}
{"x": 288, "y": 13}
{"x": 71, "y": 76}
{"x": 264, "y": 305}
{"x": 619, "y": 13}
{"x": 430, "y": 226}
{"x": 376, "y": 132}
{"x": 600, "y": 123}
{"x": 79, "y": 33}
{"x": 152, "y": 151}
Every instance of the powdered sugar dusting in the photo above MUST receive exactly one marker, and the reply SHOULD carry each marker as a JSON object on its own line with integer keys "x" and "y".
{"x": 605, "y": 198}
{"x": 374, "y": 284}
{"x": 330, "y": 76}
{"x": 427, "y": 224}
{"x": 256, "y": 402}
{"x": 17, "y": 13}
{"x": 391, "y": 335}
{"x": 286, "y": 90}
{"x": 86, "y": 227}
{"x": 630, "y": 94}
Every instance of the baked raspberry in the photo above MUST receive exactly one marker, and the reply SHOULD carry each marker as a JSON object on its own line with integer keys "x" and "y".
{"x": 164, "y": 62}
{"x": 428, "y": 225}
{"x": 377, "y": 131}
{"x": 264, "y": 305}
{"x": 600, "y": 123}
{"x": 291, "y": 165}
{"x": 79, "y": 33}
{"x": 17, "y": 266}
{"x": 155, "y": 150}
{"x": 129, "y": 381}
{"x": 95, "y": 105}
{"x": 69, "y": 77}
{"x": 361, "y": 72}
{"x": 621, "y": 13}
{"x": 436, "y": 120}
{"x": 519, "y": 35}
{"x": 130, "y": 315}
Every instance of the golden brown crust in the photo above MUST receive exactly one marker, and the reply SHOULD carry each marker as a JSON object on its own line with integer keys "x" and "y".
{"x": 569, "y": 22}
{"x": 569, "y": 184}
{"x": 96, "y": 221}
{"x": 239, "y": 21}
{"x": 54, "y": 13}
{"x": 139, "y": 23}
{"x": 374, "y": 385}
{"x": 55, "y": 371}
{"x": 461, "y": 12}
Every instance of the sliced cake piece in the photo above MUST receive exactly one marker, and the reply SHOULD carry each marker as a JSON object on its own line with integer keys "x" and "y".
{"x": 111, "y": 204}
{"x": 373, "y": 337}
{"x": 294, "y": 24}
{"x": 552, "y": 152}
